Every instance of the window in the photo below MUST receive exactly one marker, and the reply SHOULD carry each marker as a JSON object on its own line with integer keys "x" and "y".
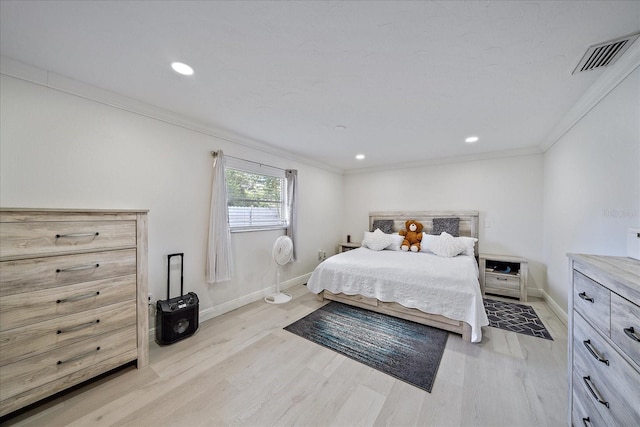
{"x": 256, "y": 195}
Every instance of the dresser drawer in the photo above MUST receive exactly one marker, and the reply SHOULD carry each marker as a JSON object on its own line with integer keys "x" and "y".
{"x": 612, "y": 416}
{"x": 625, "y": 326}
{"x": 32, "y": 239}
{"x": 592, "y": 301}
{"x": 583, "y": 413}
{"x": 44, "y": 273}
{"x": 41, "y": 337}
{"x": 19, "y": 310}
{"x": 612, "y": 377}
{"x": 502, "y": 281}
{"x": 36, "y": 371}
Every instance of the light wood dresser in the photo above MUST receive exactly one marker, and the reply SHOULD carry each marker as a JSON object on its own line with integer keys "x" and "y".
{"x": 604, "y": 341}
{"x": 73, "y": 298}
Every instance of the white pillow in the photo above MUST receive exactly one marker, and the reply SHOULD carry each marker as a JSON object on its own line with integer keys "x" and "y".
{"x": 448, "y": 246}
{"x": 376, "y": 241}
{"x": 396, "y": 241}
{"x": 430, "y": 241}
{"x": 469, "y": 244}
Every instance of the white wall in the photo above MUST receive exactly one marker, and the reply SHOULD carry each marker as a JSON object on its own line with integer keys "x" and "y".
{"x": 63, "y": 150}
{"x": 59, "y": 150}
{"x": 592, "y": 185}
{"x": 506, "y": 191}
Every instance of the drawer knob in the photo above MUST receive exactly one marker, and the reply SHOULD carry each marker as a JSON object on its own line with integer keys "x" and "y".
{"x": 78, "y": 327}
{"x": 80, "y": 356}
{"x": 584, "y": 296}
{"x": 78, "y": 268}
{"x": 594, "y": 391}
{"x": 76, "y": 235}
{"x": 79, "y": 297}
{"x": 631, "y": 333}
{"x": 594, "y": 353}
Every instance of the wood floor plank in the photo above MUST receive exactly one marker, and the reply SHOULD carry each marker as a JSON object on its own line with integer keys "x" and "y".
{"x": 243, "y": 369}
{"x": 401, "y": 407}
{"x": 444, "y": 405}
{"x": 360, "y": 409}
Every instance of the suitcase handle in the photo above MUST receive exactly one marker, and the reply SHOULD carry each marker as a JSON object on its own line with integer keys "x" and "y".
{"x": 181, "y": 255}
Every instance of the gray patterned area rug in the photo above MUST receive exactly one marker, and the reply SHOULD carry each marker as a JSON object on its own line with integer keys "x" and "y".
{"x": 514, "y": 317}
{"x": 406, "y": 350}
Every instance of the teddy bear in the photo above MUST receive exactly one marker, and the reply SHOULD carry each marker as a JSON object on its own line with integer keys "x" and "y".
{"x": 412, "y": 236}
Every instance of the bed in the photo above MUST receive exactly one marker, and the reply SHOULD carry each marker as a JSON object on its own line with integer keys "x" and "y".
{"x": 442, "y": 292}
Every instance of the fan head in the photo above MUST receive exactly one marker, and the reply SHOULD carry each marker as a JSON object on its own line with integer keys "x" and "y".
{"x": 282, "y": 250}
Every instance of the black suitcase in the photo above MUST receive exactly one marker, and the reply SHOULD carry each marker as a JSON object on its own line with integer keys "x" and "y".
{"x": 176, "y": 318}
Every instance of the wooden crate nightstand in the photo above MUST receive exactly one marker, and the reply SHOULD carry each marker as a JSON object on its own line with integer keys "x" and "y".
{"x": 504, "y": 275}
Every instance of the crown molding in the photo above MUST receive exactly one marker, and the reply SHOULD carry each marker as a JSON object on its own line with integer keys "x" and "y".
{"x": 19, "y": 70}
{"x": 609, "y": 80}
{"x": 448, "y": 160}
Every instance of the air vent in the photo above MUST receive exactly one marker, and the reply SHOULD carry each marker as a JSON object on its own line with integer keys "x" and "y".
{"x": 603, "y": 54}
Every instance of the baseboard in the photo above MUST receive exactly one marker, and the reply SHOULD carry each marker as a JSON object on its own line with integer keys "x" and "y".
{"x": 228, "y": 306}
{"x": 535, "y": 292}
{"x": 553, "y": 305}
{"x": 221, "y": 309}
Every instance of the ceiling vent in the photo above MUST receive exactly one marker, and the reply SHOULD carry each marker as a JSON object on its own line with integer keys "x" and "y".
{"x": 603, "y": 54}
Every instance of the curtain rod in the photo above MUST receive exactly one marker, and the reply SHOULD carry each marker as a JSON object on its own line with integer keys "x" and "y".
{"x": 215, "y": 154}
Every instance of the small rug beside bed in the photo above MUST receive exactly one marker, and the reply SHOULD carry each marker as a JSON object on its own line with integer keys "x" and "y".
{"x": 405, "y": 350}
{"x": 514, "y": 317}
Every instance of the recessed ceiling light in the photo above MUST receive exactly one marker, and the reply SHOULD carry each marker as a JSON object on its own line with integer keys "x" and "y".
{"x": 181, "y": 68}
{"x": 471, "y": 139}
{"x": 360, "y": 156}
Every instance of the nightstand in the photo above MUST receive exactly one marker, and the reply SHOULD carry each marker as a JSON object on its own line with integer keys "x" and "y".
{"x": 504, "y": 275}
{"x": 344, "y": 247}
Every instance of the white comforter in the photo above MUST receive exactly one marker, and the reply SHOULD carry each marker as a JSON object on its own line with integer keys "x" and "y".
{"x": 427, "y": 282}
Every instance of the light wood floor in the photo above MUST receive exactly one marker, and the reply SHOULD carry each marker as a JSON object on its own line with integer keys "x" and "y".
{"x": 243, "y": 369}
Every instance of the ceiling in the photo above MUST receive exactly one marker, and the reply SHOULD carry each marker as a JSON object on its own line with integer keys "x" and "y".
{"x": 407, "y": 81}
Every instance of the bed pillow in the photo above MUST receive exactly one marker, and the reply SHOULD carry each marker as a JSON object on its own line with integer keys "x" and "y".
{"x": 377, "y": 240}
{"x": 396, "y": 242}
{"x": 449, "y": 225}
{"x": 428, "y": 242}
{"x": 447, "y": 246}
{"x": 469, "y": 244}
{"x": 385, "y": 225}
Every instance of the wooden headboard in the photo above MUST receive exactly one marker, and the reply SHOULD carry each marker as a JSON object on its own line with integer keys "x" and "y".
{"x": 469, "y": 220}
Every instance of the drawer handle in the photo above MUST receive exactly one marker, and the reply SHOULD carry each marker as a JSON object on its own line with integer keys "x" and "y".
{"x": 594, "y": 353}
{"x": 78, "y": 327}
{"x": 584, "y": 296}
{"x": 586, "y": 422}
{"x": 76, "y": 235}
{"x": 594, "y": 391}
{"x": 79, "y": 297}
{"x": 80, "y": 356}
{"x": 78, "y": 268}
{"x": 632, "y": 334}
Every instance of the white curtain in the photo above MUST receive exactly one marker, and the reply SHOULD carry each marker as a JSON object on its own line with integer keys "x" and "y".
{"x": 219, "y": 260}
{"x": 292, "y": 201}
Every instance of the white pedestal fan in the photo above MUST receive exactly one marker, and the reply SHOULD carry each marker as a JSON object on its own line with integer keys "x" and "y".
{"x": 282, "y": 253}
